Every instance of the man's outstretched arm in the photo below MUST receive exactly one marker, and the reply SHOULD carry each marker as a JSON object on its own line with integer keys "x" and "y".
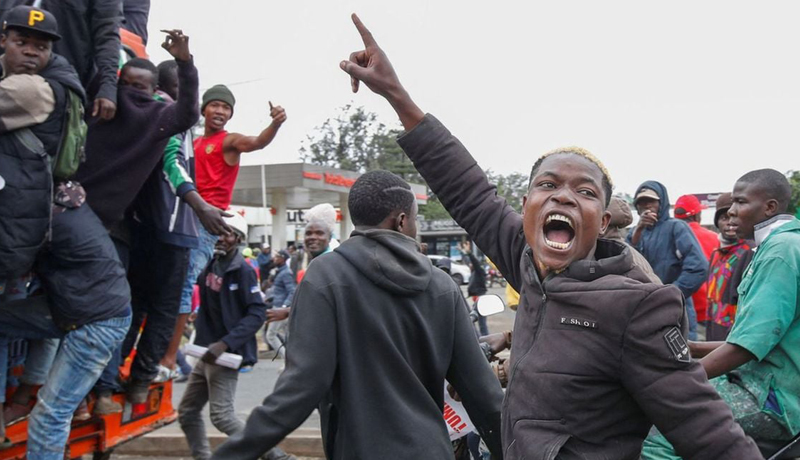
{"x": 239, "y": 143}
{"x": 448, "y": 168}
{"x": 310, "y": 368}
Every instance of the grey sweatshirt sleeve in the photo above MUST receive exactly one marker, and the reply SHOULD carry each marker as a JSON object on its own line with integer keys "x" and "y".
{"x": 473, "y": 379}
{"x": 672, "y": 389}
{"x": 465, "y": 191}
{"x": 310, "y": 368}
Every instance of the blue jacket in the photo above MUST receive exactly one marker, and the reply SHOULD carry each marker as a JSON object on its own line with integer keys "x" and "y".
{"x": 284, "y": 287}
{"x": 671, "y": 247}
{"x": 243, "y": 310}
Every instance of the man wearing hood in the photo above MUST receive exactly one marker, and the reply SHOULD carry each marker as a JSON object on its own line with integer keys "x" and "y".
{"x": 375, "y": 331}
{"x": 669, "y": 245}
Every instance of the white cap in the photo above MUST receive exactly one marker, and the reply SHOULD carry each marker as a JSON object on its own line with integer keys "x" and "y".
{"x": 237, "y": 223}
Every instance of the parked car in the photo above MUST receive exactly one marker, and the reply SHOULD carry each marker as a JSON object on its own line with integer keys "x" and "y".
{"x": 458, "y": 271}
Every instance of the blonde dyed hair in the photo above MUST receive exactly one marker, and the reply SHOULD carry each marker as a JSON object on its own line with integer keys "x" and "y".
{"x": 608, "y": 184}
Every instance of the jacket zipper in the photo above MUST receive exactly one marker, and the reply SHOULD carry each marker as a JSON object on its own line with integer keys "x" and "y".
{"x": 541, "y": 317}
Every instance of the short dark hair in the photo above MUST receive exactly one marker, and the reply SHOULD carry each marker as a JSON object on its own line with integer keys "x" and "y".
{"x": 774, "y": 185}
{"x": 167, "y": 73}
{"x": 145, "y": 64}
{"x": 375, "y": 195}
{"x": 608, "y": 187}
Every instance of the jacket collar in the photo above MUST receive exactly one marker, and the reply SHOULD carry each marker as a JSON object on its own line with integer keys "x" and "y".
{"x": 764, "y": 229}
{"x": 610, "y": 258}
{"x": 236, "y": 262}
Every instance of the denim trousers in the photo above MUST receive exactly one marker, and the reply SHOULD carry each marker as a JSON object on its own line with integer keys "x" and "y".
{"x": 198, "y": 259}
{"x": 83, "y": 355}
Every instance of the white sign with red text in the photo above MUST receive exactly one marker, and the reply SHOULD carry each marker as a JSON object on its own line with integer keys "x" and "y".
{"x": 455, "y": 417}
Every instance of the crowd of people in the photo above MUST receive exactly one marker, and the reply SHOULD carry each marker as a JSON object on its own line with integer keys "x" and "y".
{"x": 666, "y": 341}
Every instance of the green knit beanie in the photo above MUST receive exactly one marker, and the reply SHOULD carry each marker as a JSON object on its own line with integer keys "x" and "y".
{"x": 218, "y": 93}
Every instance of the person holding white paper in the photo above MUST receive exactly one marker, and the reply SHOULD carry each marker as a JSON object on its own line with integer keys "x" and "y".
{"x": 231, "y": 312}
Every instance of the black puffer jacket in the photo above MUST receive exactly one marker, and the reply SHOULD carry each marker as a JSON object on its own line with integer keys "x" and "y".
{"x": 598, "y": 355}
{"x": 25, "y": 199}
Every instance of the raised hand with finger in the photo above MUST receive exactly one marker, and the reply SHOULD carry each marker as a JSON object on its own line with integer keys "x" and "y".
{"x": 177, "y": 44}
{"x": 277, "y": 113}
{"x": 372, "y": 67}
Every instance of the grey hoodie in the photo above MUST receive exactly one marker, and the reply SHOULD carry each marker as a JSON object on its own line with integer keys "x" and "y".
{"x": 375, "y": 330}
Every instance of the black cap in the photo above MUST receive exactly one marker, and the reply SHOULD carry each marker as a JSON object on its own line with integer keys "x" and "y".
{"x": 33, "y": 19}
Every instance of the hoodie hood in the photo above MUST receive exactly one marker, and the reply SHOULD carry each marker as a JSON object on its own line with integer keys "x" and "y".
{"x": 389, "y": 259}
{"x": 61, "y": 71}
{"x": 663, "y": 205}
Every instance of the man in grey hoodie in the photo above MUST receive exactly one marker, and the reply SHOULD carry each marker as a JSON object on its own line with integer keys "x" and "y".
{"x": 376, "y": 330}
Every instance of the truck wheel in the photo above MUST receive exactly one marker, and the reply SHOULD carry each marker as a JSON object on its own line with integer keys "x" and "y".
{"x": 458, "y": 279}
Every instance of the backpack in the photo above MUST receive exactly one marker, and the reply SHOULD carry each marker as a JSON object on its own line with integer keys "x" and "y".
{"x": 71, "y": 151}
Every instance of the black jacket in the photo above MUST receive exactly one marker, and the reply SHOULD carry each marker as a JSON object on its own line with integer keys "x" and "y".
{"x": 243, "y": 310}
{"x": 90, "y": 41}
{"x": 25, "y": 200}
{"x": 598, "y": 355}
{"x": 477, "y": 282}
{"x": 122, "y": 153}
{"x": 375, "y": 330}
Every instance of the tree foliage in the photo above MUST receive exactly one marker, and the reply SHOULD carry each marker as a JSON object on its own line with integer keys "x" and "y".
{"x": 794, "y": 180}
{"x": 356, "y": 140}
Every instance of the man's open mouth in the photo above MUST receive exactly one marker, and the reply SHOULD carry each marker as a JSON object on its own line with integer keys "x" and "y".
{"x": 558, "y": 231}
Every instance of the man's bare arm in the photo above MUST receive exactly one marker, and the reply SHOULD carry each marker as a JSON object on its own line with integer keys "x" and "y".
{"x": 701, "y": 349}
{"x": 239, "y": 143}
{"x": 724, "y": 359}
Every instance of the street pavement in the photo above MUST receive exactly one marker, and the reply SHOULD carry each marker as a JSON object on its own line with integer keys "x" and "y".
{"x": 255, "y": 385}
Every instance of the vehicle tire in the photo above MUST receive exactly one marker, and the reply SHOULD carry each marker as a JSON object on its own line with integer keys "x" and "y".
{"x": 503, "y": 282}
{"x": 458, "y": 279}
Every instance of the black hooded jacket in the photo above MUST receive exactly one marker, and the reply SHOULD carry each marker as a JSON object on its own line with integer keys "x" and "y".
{"x": 598, "y": 355}
{"x": 25, "y": 199}
{"x": 375, "y": 331}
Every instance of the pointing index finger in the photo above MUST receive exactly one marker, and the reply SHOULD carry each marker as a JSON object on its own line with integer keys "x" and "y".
{"x": 366, "y": 35}
{"x": 270, "y": 105}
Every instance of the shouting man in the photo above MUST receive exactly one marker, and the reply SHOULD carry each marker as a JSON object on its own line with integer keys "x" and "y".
{"x": 598, "y": 354}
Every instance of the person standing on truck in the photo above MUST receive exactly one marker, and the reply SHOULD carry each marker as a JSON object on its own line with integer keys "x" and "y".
{"x": 91, "y": 43}
{"x": 87, "y": 301}
{"x": 216, "y": 165}
{"x": 598, "y": 353}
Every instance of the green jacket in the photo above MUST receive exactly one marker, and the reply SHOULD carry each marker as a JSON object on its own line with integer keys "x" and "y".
{"x": 768, "y": 323}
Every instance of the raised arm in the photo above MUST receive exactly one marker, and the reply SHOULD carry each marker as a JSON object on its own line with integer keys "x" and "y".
{"x": 310, "y": 367}
{"x": 449, "y": 169}
{"x": 235, "y": 143}
{"x": 185, "y": 112}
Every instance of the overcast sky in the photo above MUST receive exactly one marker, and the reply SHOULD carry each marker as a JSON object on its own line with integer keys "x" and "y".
{"x": 692, "y": 94}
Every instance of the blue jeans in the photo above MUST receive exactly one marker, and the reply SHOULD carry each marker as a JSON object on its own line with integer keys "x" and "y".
{"x": 84, "y": 354}
{"x": 691, "y": 316}
{"x": 198, "y": 259}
